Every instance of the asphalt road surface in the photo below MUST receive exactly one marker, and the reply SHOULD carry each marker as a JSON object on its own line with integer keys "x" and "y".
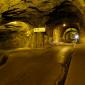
{"x": 34, "y": 66}
{"x": 76, "y": 74}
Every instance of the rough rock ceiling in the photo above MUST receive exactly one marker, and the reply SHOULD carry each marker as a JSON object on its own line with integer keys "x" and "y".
{"x": 31, "y": 6}
{"x": 42, "y": 5}
{"x": 32, "y": 9}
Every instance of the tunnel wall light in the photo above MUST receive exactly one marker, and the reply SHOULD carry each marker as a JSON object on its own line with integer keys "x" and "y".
{"x": 64, "y": 25}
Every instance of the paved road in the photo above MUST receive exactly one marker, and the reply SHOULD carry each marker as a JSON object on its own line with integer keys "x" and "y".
{"x": 34, "y": 67}
{"x": 76, "y": 74}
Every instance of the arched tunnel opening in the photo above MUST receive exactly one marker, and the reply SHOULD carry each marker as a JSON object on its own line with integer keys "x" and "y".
{"x": 67, "y": 17}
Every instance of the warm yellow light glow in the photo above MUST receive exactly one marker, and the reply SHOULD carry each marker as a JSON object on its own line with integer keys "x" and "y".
{"x": 42, "y": 29}
{"x": 29, "y": 32}
{"x": 64, "y": 25}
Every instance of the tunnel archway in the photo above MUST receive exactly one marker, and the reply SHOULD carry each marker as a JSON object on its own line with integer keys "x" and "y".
{"x": 67, "y": 13}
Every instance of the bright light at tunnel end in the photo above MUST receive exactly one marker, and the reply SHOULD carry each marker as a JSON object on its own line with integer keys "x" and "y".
{"x": 76, "y": 36}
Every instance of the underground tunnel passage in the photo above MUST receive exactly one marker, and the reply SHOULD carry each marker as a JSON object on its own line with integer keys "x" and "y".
{"x": 37, "y": 42}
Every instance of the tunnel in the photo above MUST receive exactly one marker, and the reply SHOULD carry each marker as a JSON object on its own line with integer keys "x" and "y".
{"x": 38, "y": 44}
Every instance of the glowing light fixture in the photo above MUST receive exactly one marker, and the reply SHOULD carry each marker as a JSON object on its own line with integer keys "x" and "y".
{"x": 64, "y": 25}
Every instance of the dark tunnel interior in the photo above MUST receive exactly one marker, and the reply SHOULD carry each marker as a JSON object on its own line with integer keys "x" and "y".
{"x": 37, "y": 44}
